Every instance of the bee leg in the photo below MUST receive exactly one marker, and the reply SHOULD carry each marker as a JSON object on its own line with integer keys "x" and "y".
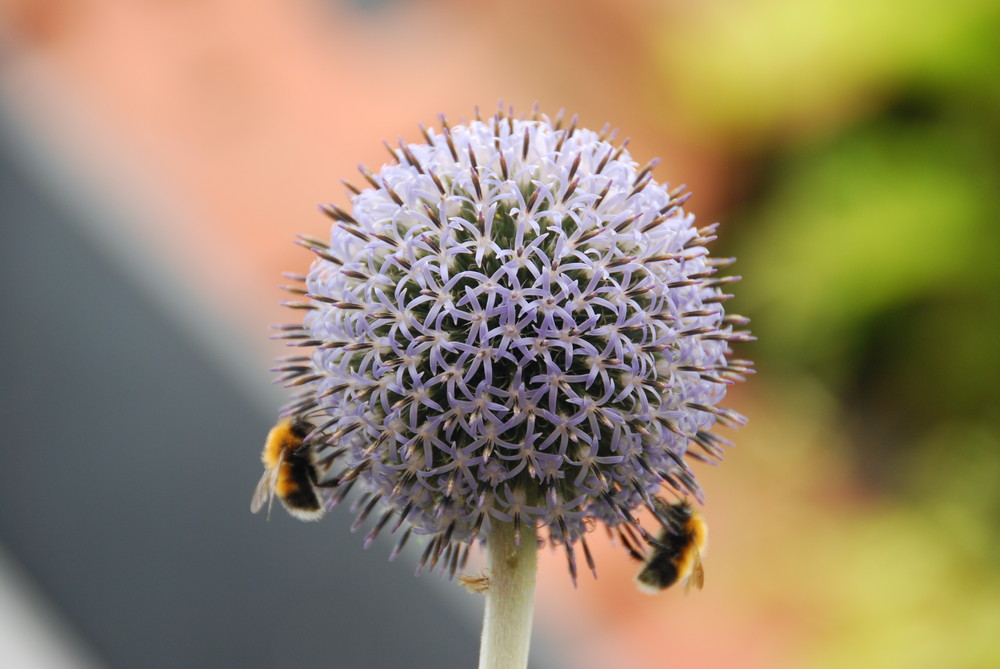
{"x": 632, "y": 550}
{"x": 314, "y": 479}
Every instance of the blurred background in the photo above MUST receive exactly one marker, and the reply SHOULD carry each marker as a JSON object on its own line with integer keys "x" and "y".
{"x": 157, "y": 157}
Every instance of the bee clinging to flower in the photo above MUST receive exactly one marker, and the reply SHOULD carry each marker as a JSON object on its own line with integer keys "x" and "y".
{"x": 675, "y": 555}
{"x": 291, "y": 472}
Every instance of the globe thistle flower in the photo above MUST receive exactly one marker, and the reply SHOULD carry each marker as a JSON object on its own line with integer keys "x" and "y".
{"x": 513, "y": 324}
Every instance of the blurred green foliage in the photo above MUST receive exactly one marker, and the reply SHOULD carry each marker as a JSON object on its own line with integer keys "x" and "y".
{"x": 871, "y": 244}
{"x": 871, "y": 251}
{"x": 774, "y": 67}
{"x": 884, "y": 216}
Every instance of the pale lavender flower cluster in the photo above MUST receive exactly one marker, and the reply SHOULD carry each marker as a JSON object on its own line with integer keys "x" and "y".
{"x": 514, "y": 323}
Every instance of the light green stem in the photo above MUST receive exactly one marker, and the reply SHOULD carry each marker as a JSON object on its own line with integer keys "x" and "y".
{"x": 509, "y": 599}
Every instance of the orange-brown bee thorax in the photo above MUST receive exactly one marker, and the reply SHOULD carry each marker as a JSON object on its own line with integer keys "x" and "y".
{"x": 284, "y": 438}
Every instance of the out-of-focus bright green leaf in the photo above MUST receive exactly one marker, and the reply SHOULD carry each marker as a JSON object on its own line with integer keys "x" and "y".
{"x": 877, "y": 220}
{"x": 741, "y": 69}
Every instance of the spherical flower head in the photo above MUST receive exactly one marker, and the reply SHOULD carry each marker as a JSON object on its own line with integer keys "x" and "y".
{"x": 514, "y": 323}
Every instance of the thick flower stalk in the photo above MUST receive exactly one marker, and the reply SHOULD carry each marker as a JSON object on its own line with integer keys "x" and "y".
{"x": 513, "y": 323}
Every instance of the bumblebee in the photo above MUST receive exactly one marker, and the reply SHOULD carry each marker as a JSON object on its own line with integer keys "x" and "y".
{"x": 291, "y": 472}
{"x": 676, "y": 555}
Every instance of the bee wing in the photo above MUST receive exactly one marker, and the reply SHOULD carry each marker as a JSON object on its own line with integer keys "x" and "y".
{"x": 264, "y": 491}
{"x": 265, "y": 488}
{"x": 697, "y": 577}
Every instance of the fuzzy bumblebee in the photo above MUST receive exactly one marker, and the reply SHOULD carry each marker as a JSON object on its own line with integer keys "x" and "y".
{"x": 675, "y": 556}
{"x": 291, "y": 472}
